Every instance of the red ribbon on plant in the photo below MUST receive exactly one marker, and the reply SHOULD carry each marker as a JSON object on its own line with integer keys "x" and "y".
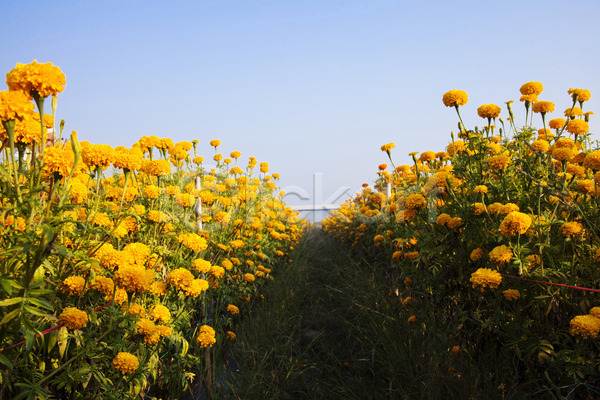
{"x": 48, "y": 331}
{"x": 552, "y": 283}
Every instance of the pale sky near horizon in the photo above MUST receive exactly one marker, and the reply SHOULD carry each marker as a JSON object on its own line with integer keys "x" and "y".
{"x": 308, "y": 86}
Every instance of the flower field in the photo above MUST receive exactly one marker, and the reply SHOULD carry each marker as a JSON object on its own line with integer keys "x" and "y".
{"x": 124, "y": 270}
{"x": 495, "y": 241}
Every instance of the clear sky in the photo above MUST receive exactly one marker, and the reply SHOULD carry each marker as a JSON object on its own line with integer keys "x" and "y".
{"x": 308, "y": 86}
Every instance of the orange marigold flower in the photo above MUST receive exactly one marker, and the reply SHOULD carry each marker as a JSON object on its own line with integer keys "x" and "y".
{"x": 476, "y": 254}
{"x": 501, "y": 254}
{"x": 73, "y": 318}
{"x": 489, "y": 111}
{"x": 455, "y": 98}
{"x": 541, "y": 146}
{"x": 192, "y": 241}
{"x": 573, "y": 112}
{"x": 128, "y": 159}
{"x": 14, "y": 105}
{"x": 515, "y": 223}
{"x": 556, "y": 123}
{"x": 480, "y": 189}
{"x": 180, "y": 278}
{"x": 530, "y": 88}
{"x": 217, "y": 272}
{"x": 511, "y": 294}
{"x": 586, "y": 326}
{"x": 125, "y": 363}
{"x": 206, "y": 336}
{"x": 73, "y": 285}
{"x": 134, "y": 278}
{"x": 443, "y": 219}
{"x": 160, "y": 313}
{"x": 249, "y": 278}
{"x": 97, "y": 155}
{"x": 577, "y": 126}
{"x": 582, "y": 94}
{"x": 195, "y": 288}
{"x": 387, "y": 147}
{"x": 44, "y": 79}
{"x": 415, "y": 201}
{"x": 572, "y": 228}
{"x": 231, "y": 309}
{"x": 485, "y": 278}
{"x": 543, "y": 107}
{"x": 498, "y": 162}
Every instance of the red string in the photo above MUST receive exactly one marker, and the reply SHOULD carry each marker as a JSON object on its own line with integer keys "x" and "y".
{"x": 552, "y": 283}
{"x": 48, "y": 330}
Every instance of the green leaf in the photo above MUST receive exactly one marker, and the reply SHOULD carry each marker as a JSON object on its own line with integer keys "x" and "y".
{"x": 40, "y": 292}
{"x": 35, "y": 311}
{"x": 11, "y": 315}
{"x": 10, "y": 302}
{"x": 29, "y": 340}
{"x": 51, "y": 340}
{"x": 4, "y": 360}
{"x": 43, "y": 303}
{"x": 5, "y": 283}
{"x": 63, "y": 339}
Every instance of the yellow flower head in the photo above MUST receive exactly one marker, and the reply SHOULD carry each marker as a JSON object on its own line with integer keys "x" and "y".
{"x": 515, "y": 223}
{"x": 44, "y": 79}
{"x": 160, "y": 313}
{"x": 455, "y": 98}
{"x": 543, "y": 107}
{"x": 532, "y": 88}
{"x": 180, "y": 278}
{"x": 73, "y": 285}
{"x": 125, "y": 363}
{"x": 498, "y": 162}
{"x": 206, "y": 336}
{"x": 556, "y": 123}
{"x": 73, "y": 318}
{"x": 485, "y": 278}
{"x": 511, "y": 294}
{"x": 577, "y": 126}
{"x": 581, "y": 94}
{"x": 134, "y": 278}
{"x": 572, "y": 228}
{"x": 14, "y": 105}
{"x": 501, "y": 254}
{"x": 231, "y": 309}
{"x": 586, "y": 326}
{"x": 489, "y": 111}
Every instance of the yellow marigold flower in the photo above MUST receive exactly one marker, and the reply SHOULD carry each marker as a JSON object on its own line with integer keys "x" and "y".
{"x": 480, "y": 189}
{"x": 397, "y": 255}
{"x": 427, "y": 156}
{"x": 454, "y": 148}
{"x": 572, "y": 228}
{"x": 134, "y": 308}
{"x": 145, "y": 327}
{"x": 97, "y": 155}
{"x": 586, "y": 186}
{"x": 180, "y": 278}
{"x": 489, "y": 111}
{"x": 577, "y": 126}
{"x": 388, "y": 147}
{"x": 378, "y": 238}
{"x": 412, "y": 319}
{"x": 515, "y": 223}
{"x": 201, "y": 265}
{"x": 230, "y": 335}
{"x": 44, "y": 79}
{"x": 443, "y": 219}
{"x": 73, "y": 285}
{"x": 573, "y": 112}
{"x": 206, "y": 336}
{"x": 545, "y": 134}
{"x": 152, "y": 192}
{"x": 160, "y": 313}
{"x": 249, "y": 278}
{"x": 478, "y": 208}
{"x": 562, "y": 153}
{"x": 222, "y": 216}
{"x": 215, "y": 143}
{"x": 534, "y": 88}
{"x": 14, "y": 105}
{"x": 476, "y": 254}
{"x": 134, "y": 278}
{"x": 104, "y": 285}
{"x": 485, "y": 278}
{"x": 581, "y": 94}
{"x": 128, "y": 159}
{"x": 157, "y": 216}
{"x": 511, "y": 294}
{"x": 415, "y": 201}
{"x": 192, "y": 241}
{"x": 454, "y": 223}
{"x": 508, "y": 208}
{"x": 139, "y": 251}
{"x": 164, "y": 330}
{"x": 541, "y": 146}
{"x": 533, "y": 261}
{"x": 586, "y": 326}
{"x": 595, "y": 311}
{"x": 73, "y": 318}
{"x": 501, "y": 255}
{"x": 227, "y": 264}
{"x": 455, "y": 98}
{"x": 543, "y": 107}
{"x": 498, "y": 162}
{"x": 58, "y": 160}
{"x": 532, "y": 98}
{"x": 156, "y": 167}
{"x": 125, "y": 363}
{"x": 231, "y": 309}
{"x": 556, "y": 123}
{"x": 195, "y": 288}
{"x": 217, "y": 272}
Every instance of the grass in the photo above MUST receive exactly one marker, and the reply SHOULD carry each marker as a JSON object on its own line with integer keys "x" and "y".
{"x": 328, "y": 330}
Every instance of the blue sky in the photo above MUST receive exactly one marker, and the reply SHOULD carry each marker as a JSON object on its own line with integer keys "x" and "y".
{"x": 308, "y": 86}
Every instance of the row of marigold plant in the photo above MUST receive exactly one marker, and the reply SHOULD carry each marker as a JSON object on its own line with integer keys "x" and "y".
{"x": 123, "y": 270}
{"x": 497, "y": 236}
